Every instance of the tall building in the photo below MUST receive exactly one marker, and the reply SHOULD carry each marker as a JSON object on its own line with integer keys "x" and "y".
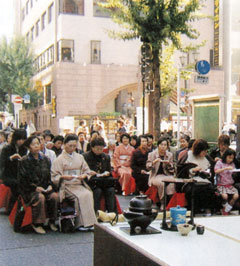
{"x": 83, "y": 72}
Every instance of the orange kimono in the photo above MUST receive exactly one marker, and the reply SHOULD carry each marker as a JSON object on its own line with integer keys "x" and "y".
{"x": 121, "y": 162}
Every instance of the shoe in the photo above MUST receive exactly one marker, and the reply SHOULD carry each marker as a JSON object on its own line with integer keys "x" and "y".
{"x": 208, "y": 214}
{"x": 124, "y": 194}
{"x": 38, "y": 229}
{"x": 86, "y": 229}
{"x": 223, "y": 212}
{"x": 90, "y": 228}
{"x": 53, "y": 227}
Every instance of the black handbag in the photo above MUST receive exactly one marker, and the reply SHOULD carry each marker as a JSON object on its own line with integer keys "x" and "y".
{"x": 19, "y": 216}
{"x": 102, "y": 182}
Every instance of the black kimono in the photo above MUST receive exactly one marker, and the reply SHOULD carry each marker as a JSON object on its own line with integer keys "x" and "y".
{"x": 138, "y": 163}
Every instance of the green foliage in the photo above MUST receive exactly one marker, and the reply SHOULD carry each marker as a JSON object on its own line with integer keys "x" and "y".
{"x": 160, "y": 23}
{"x": 168, "y": 73}
{"x": 16, "y": 70}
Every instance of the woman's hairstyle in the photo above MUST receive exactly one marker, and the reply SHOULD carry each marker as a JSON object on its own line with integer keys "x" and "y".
{"x": 134, "y": 137}
{"x": 29, "y": 140}
{"x": 190, "y": 143}
{"x": 94, "y": 131}
{"x": 228, "y": 152}
{"x": 80, "y": 133}
{"x": 199, "y": 145}
{"x": 46, "y": 133}
{"x": 82, "y": 122}
{"x": 224, "y": 140}
{"x": 57, "y": 138}
{"x": 143, "y": 137}
{"x": 186, "y": 137}
{"x": 149, "y": 135}
{"x": 161, "y": 140}
{"x": 125, "y": 135}
{"x": 18, "y": 134}
{"x": 98, "y": 141}
{"x": 70, "y": 137}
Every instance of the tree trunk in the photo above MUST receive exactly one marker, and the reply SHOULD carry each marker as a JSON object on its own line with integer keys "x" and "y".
{"x": 156, "y": 93}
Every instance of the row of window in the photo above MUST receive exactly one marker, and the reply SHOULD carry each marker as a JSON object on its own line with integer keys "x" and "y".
{"x": 34, "y": 32}
{"x": 45, "y": 59}
{"x": 71, "y": 7}
{"x": 27, "y": 7}
{"x": 65, "y": 54}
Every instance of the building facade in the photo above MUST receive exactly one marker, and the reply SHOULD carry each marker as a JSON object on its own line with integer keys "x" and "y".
{"x": 83, "y": 72}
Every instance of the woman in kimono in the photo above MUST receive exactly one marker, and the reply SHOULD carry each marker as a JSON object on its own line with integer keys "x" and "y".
{"x": 36, "y": 188}
{"x": 122, "y": 162}
{"x": 138, "y": 165}
{"x": 69, "y": 172}
{"x": 160, "y": 163}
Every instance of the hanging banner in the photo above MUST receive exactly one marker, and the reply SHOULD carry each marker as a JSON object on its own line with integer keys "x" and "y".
{"x": 216, "y": 33}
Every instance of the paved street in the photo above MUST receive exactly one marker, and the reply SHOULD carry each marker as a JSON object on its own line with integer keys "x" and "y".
{"x": 52, "y": 249}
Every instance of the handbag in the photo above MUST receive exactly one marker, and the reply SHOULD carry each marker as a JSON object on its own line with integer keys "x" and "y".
{"x": 20, "y": 213}
{"x": 102, "y": 182}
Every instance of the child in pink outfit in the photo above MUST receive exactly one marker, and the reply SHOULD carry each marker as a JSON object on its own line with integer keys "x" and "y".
{"x": 223, "y": 169}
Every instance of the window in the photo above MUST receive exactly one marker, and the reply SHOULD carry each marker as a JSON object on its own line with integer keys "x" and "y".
{"x": 48, "y": 94}
{"x": 43, "y": 20}
{"x": 45, "y": 59}
{"x": 23, "y": 14}
{"x": 32, "y": 33}
{"x": 50, "y": 55}
{"x": 71, "y": 7}
{"x": 50, "y": 13}
{"x": 98, "y": 11}
{"x": 96, "y": 52}
{"x": 27, "y": 36}
{"x": 37, "y": 28}
{"x": 65, "y": 50}
{"x": 27, "y": 7}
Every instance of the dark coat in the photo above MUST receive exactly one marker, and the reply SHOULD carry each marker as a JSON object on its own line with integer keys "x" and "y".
{"x": 32, "y": 174}
{"x": 99, "y": 163}
{"x": 8, "y": 168}
{"x": 57, "y": 151}
{"x": 138, "y": 163}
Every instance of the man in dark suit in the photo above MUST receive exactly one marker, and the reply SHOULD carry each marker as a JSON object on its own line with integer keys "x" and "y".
{"x": 101, "y": 181}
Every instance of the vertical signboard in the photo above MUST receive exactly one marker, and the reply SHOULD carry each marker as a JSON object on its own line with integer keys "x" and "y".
{"x": 206, "y": 119}
{"x": 216, "y": 33}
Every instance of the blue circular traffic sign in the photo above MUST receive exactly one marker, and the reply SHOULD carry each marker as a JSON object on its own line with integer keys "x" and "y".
{"x": 202, "y": 67}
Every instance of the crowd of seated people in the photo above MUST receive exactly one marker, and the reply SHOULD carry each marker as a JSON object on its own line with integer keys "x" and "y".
{"x": 84, "y": 168}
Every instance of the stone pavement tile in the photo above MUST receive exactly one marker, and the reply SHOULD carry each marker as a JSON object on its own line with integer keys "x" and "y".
{"x": 54, "y": 248}
{"x": 59, "y": 254}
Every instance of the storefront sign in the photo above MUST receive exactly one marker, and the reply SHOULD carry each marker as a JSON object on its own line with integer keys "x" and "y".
{"x": 201, "y": 79}
{"x": 216, "y": 33}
